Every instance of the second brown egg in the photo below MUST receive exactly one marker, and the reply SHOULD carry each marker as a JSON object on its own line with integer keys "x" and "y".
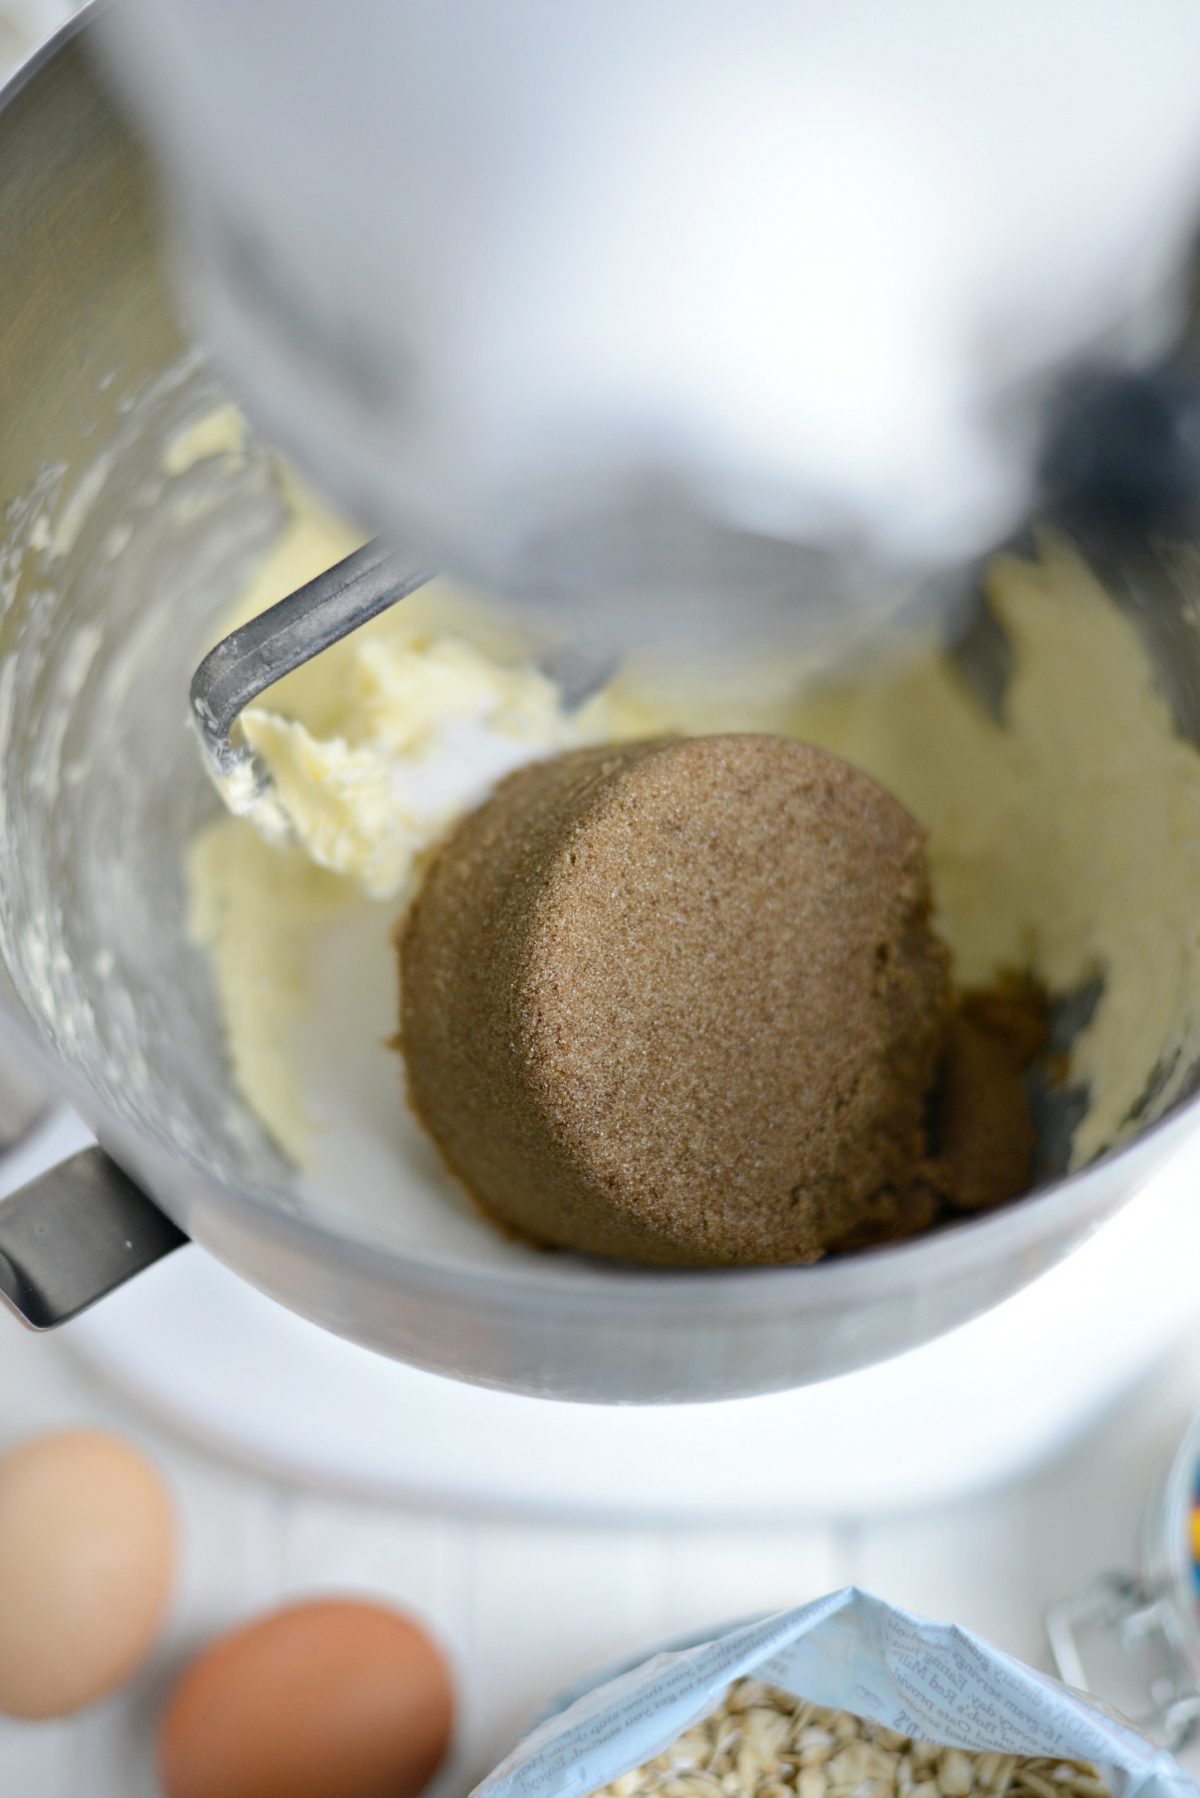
{"x": 334, "y": 1698}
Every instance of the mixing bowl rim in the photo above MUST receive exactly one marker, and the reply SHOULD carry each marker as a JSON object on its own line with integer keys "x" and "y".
{"x": 941, "y": 1252}
{"x": 47, "y": 48}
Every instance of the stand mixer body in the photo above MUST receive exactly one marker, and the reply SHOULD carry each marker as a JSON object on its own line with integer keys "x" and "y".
{"x": 114, "y": 583}
{"x": 667, "y": 310}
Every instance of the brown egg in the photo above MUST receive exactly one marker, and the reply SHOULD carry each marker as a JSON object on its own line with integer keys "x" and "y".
{"x": 334, "y": 1698}
{"x": 87, "y": 1555}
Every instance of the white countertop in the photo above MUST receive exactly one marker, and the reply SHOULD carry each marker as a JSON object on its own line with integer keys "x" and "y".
{"x": 525, "y": 1607}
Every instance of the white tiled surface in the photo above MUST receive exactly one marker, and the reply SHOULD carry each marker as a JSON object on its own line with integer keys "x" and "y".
{"x": 524, "y": 1608}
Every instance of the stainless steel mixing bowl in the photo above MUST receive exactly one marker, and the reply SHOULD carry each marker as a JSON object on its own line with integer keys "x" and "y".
{"x": 111, "y": 581}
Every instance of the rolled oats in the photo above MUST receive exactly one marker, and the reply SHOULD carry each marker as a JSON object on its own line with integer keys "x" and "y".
{"x": 764, "y": 1743}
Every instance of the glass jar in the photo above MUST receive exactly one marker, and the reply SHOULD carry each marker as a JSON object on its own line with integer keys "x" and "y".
{"x": 1133, "y": 1639}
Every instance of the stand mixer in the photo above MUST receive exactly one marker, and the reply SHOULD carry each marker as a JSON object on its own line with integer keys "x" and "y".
{"x": 675, "y": 473}
{"x": 624, "y": 305}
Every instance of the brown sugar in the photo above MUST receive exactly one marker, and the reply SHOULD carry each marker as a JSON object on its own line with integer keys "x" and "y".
{"x": 981, "y": 1134}
{"x": 681, "y": 1002}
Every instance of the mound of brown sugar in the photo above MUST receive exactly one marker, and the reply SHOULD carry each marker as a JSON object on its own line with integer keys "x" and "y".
{"x": 680, "y": 1002}
{"x": 979, "y": 1131}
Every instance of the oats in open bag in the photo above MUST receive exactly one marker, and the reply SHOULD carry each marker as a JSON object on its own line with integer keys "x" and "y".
{"x": 847, "y": 1697}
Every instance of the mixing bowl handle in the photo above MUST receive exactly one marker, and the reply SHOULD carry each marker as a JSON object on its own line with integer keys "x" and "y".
{"x": 73, "y": 1235}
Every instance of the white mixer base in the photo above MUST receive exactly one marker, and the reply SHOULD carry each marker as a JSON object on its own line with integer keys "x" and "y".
{"x": 220, "y": 1362}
